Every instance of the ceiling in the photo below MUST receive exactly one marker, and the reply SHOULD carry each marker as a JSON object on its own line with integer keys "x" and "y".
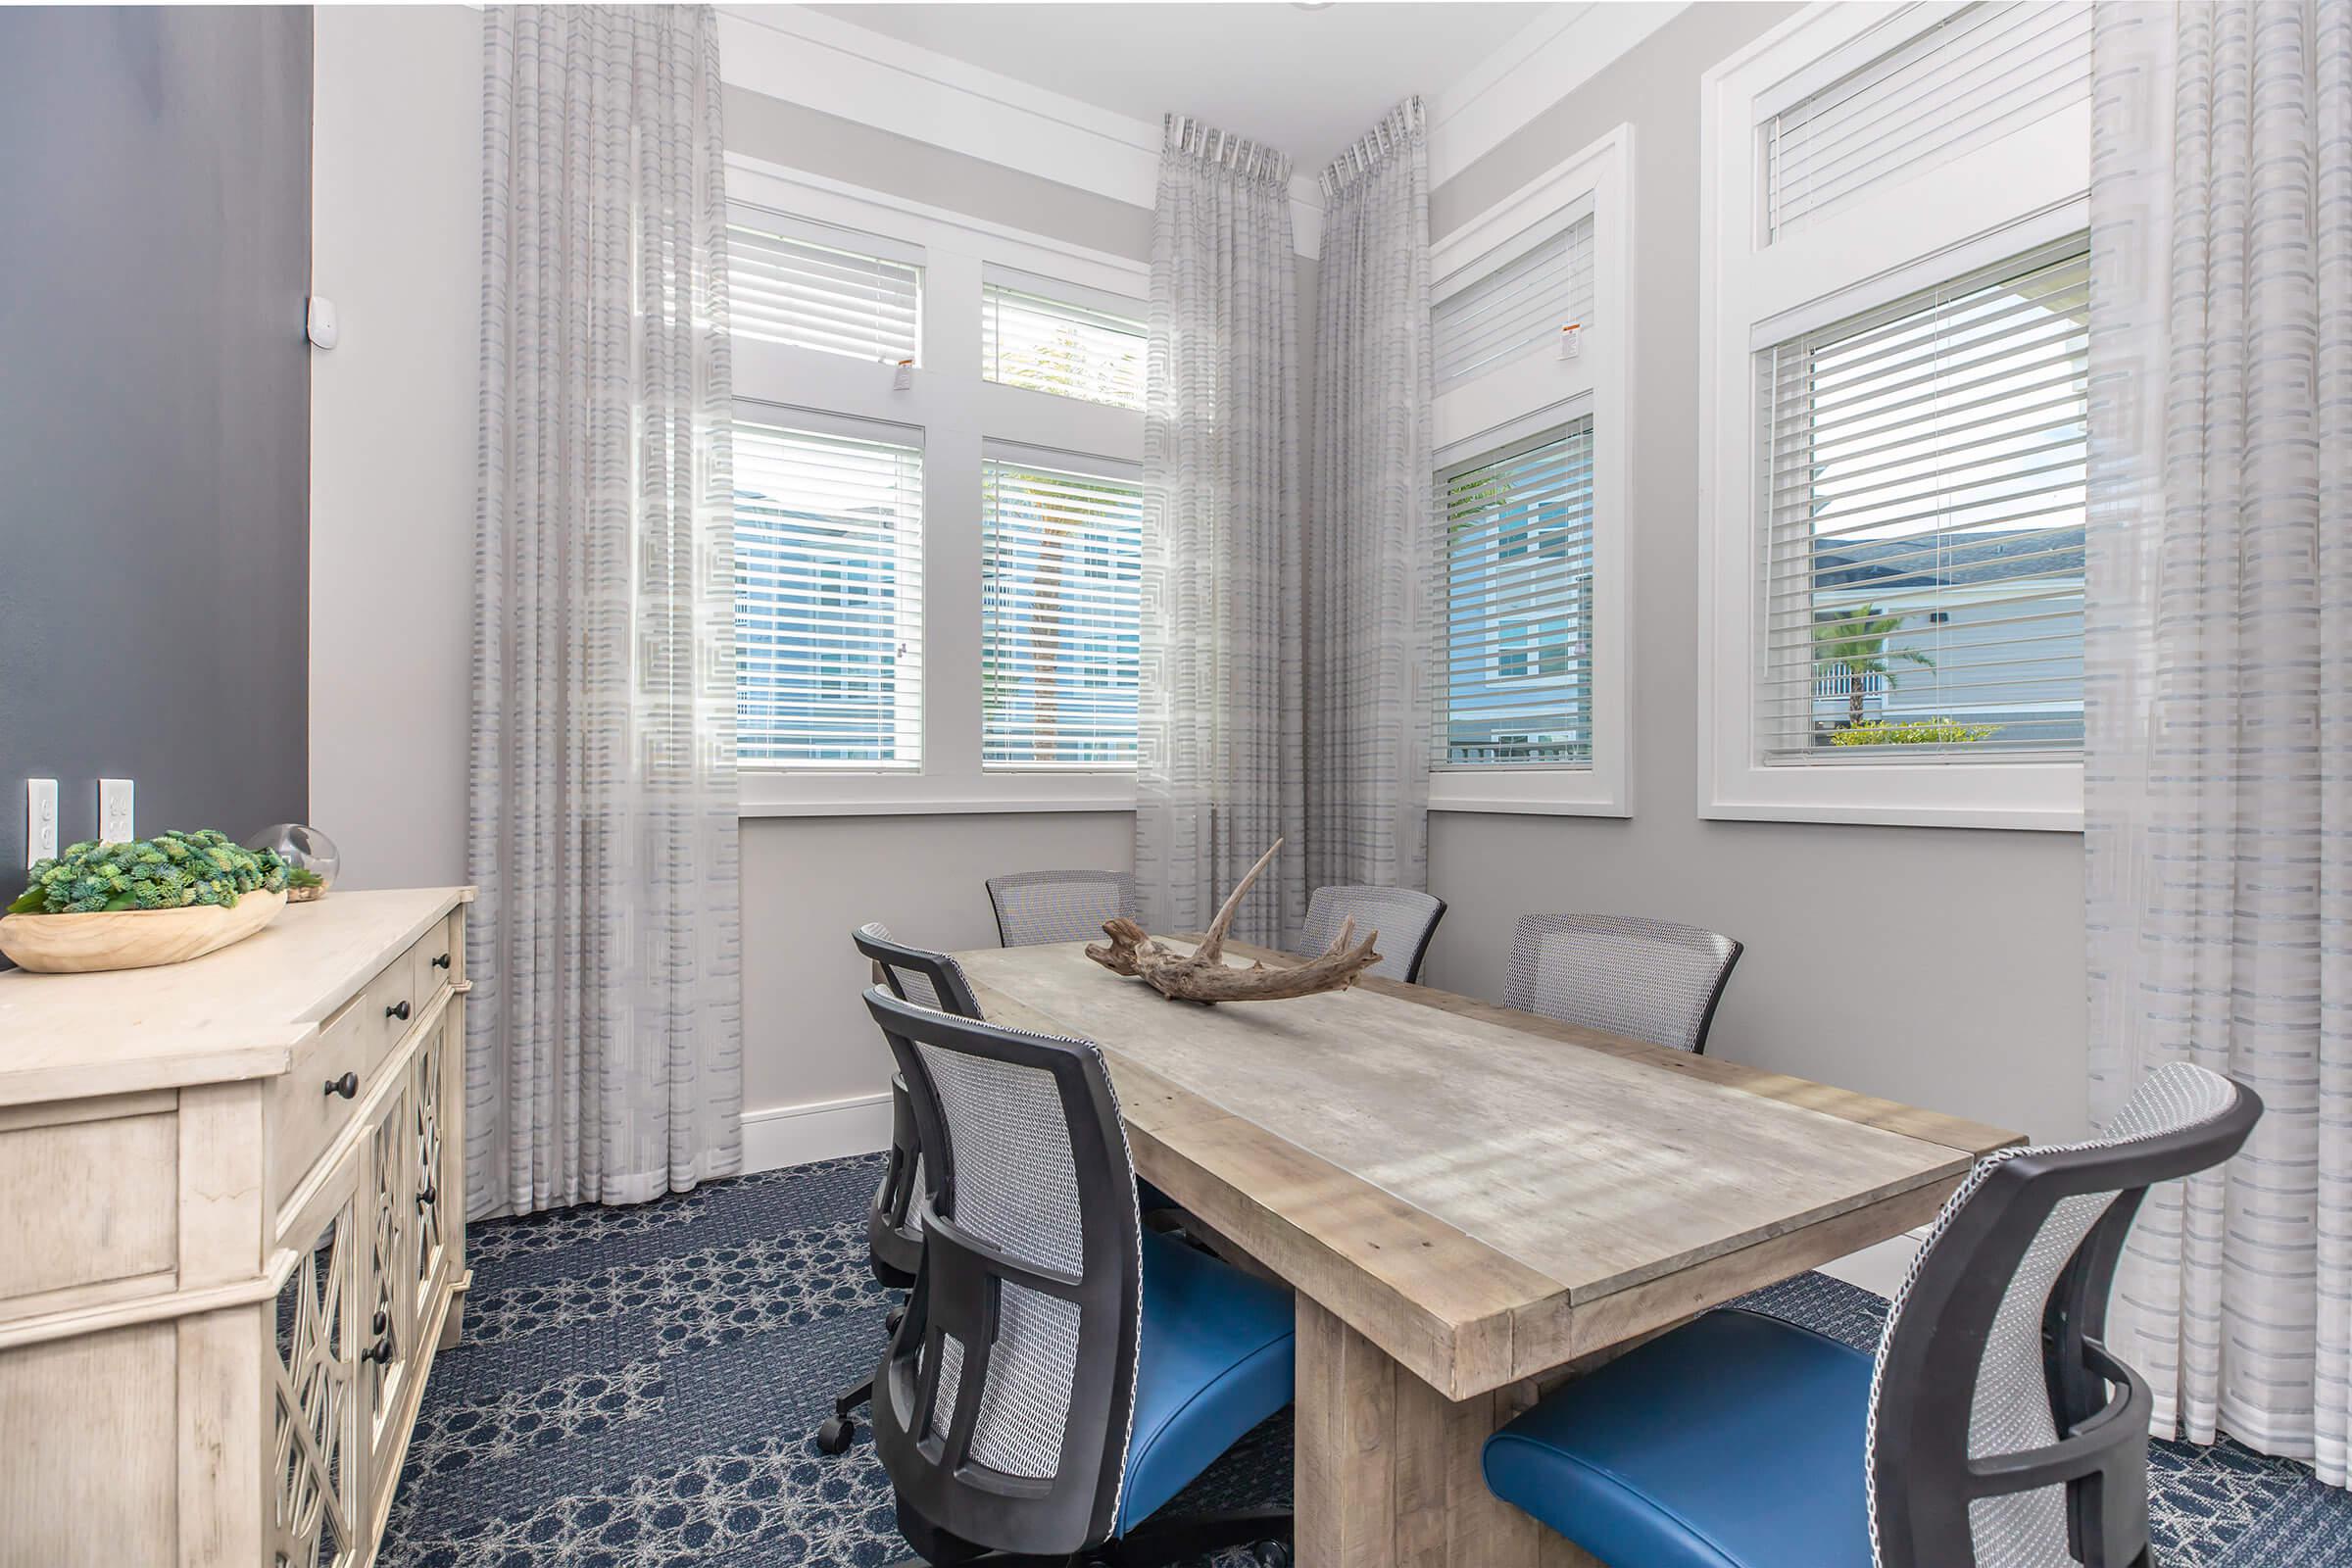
{"x": 1306, "y": 82}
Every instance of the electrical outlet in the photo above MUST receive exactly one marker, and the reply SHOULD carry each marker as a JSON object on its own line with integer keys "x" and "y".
{"x": 40, "y": 819}
{"x": 114, "y": 811}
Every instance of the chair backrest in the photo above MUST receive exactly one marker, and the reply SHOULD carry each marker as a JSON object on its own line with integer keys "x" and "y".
{"x": 2002, "y": 1433}
{"x": 1034, "y": 907}
{"x": 1654, "y": 980}
{"x": 929, "y": 979}
{"x": 1405, "y": 921}
{"x": 1003, "y": 1409}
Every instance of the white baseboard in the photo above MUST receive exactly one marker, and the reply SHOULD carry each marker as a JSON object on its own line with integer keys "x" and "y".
{"x": 1882, "y": 1267}
{"x": 824, "y": 1129}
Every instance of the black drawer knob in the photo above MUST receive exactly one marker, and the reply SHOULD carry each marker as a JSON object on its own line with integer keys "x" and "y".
{"x": 380, "y": 1352}
{"x": 442, "y": 962}
{"x": 398, "y": 1010}
{"x": 379, "y": 1323}
{"x": 348, "y": 1085}
{"x": 428, "y": 1195}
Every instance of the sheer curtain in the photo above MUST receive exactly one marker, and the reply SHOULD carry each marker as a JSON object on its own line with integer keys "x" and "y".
{"x": 1371, "y": 629}
{"x": 604, "y": 1051}
{"x": 2218, "y": 659}
{"x": 1218, "y": 774}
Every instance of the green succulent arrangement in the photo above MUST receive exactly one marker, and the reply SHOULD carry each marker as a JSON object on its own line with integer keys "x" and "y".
{"x": 169, "y": 871}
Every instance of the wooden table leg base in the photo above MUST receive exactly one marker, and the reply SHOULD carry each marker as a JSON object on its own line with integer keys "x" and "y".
{"x": 1388, "y": 1467}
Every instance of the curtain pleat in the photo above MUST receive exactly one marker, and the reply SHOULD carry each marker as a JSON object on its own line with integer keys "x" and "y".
{"x": 604, "y": 1052}
{"x": 1371, "y": 629}
{"x": 2218, "y": 659}
{"x": 1219, "y": 776}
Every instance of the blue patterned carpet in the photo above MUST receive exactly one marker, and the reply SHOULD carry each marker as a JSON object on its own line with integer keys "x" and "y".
{"x": 639, "y": 1387}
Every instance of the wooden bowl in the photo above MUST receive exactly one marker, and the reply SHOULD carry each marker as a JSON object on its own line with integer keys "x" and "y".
{"x": 131, "y": 938}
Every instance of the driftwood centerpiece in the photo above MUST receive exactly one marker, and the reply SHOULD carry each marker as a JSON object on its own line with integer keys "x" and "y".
{"x": 1203, "y": 975}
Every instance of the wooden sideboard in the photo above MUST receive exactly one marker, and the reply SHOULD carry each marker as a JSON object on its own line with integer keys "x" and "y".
{"x": 231, "y": 1239}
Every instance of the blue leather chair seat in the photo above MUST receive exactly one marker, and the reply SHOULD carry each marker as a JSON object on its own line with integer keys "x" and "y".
{"x": 1735, "y": 1442}
{"x": 1218, "y": 1355}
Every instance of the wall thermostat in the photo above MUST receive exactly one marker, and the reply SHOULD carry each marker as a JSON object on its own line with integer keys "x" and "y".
{"x": 322, "y": 326}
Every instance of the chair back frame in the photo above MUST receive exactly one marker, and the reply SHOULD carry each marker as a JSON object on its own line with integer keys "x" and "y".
{"x": 948, "y": 1502}
{"x": 1122, "y": 882}
{"x": 1429, "y": 928}
{"x": 894, "y": 1245}
{"x": 1924, "y": 1477}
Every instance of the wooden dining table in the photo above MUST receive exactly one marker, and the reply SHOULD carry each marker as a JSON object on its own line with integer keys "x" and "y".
{"x": 1470, "y": 1202}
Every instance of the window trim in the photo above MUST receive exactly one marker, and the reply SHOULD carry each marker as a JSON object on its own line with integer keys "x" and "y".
{"x": 2002, "y": 197}
{"x": 960, "y": 415}
{"x": 1521, "y": 398}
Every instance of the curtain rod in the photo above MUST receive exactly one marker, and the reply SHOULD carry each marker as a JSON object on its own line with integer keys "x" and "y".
{"x": 1399, "y": 126}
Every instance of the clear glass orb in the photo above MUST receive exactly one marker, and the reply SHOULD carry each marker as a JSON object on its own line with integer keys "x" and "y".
{"x": 303, "y": 849}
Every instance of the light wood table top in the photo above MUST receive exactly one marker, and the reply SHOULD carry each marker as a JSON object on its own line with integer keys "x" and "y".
{"x": 1486, "y": 1195}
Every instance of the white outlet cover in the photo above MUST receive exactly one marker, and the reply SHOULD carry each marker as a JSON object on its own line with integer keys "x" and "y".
{"x": 40, "y": 819}
{"x": 114, "y": 811}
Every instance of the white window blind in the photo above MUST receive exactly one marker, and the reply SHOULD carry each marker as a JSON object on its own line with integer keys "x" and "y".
{"x": 1922, "y": 517}
{"x": 828, "y": 599}
{"x": 790, "y": 283}
{"x": 1514, "y": 308}
{"x": 1978, "y": 74}
{"x": 1054, "y": 345}
{"x": 1061, "y": 571}
{"x": 1519, "y": 602}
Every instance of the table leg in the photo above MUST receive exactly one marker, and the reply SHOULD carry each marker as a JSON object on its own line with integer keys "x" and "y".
{"x": 1388, "y": 1467}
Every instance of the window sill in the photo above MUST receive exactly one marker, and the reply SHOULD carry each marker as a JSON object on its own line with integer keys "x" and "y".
{"x": 2029, "y": 798}
{"x": 1529, "y": 792}
{"x": 767, "y": 794}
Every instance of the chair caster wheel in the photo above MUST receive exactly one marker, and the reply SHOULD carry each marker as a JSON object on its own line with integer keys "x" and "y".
{"x": 1275, "y": 1554}
{"x": 835, "y": 1435}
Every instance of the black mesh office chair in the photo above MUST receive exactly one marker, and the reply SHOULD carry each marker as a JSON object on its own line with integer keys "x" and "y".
{"x": 1404, "y": 919}
{"x": 1061, "y": 1373}
{"x": 893, "y": 1238}
{"x": 1034, "y": 907}
{"x": 1992, "y": 1430}
{"x": 1654, "y": 980}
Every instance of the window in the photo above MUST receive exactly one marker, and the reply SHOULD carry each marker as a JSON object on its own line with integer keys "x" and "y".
{"x": 1514, "y": 307}
{"x": 1974, "y": 77}
{"x": 828, "y": 599}
{"x": 1893, "y": 379}
{"x": 1519, "y": 603}
{"x": 1061, "y": 565}
{"x": 1923, "y": 522}
{"x": 937, "y": 572}
{"x": 1533, "y": 682}
{"x": 1052, "y": 345}
{"x": 815, "y": 287}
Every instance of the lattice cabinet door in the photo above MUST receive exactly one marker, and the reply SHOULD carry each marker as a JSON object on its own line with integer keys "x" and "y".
{"x": 312, "y": 1395}
{"x": 387, "y": 1294}
{"x": 429, "y": 1085}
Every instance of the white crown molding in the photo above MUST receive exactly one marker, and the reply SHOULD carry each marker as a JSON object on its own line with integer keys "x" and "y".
{"x": 834, "y": 66}
{"x": 1551, "y": 58}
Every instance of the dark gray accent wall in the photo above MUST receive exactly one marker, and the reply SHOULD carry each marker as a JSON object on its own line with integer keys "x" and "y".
{"x": 154, "y": 244}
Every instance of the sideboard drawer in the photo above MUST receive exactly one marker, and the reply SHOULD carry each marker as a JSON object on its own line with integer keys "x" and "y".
{"x": 308, "y": 1106}
{"x": 438, "y": 961}
{"x": 395, "y": 999}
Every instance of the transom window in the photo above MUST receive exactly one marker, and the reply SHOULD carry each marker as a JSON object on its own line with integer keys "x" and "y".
{"x": 1049, "y": 344}
{"x": 814, "y": 286}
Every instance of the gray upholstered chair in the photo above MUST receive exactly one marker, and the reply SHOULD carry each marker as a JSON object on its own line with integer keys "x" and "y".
{"x": 1654, "y": 980}
{"x": 1034, "y": 907}
{"x": 1405, "y": 921}
{"x": 1993, "y": 1429}
{"x": 894, "y": 1234}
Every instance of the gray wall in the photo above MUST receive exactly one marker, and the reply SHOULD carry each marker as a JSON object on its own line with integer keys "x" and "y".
{"x": 1937, "y": 966}
{"x": 154, "y": 415}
